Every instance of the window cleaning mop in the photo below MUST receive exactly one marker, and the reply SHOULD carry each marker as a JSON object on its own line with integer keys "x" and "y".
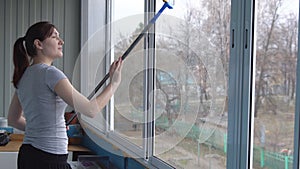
{"x": 134, "y": 43}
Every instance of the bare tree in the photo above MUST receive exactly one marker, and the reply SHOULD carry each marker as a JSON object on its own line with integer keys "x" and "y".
{"x": 288, "y": 51}
{"x": 266, "y": 50}
{"x": 216, "y": 27}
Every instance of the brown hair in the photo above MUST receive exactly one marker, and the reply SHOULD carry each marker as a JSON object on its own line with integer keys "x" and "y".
{"x": 21, "y": 54}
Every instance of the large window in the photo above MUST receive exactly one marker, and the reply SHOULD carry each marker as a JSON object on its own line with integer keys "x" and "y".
{"x": 212, "y": 85}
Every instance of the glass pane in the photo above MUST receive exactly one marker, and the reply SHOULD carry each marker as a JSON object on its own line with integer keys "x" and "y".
{"x": 275, "y": 83}
{"x": 192, "y": 52}
{"x": 127, "y": 24}
{"x": 91, "y": 61}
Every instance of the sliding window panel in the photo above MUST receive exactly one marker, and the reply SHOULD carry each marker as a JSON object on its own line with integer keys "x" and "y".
{"x": 191, "y": 112}
{"x": 92, "y": 61}
{"x": 128, "y": 110}
{"x": 275, "y": 83}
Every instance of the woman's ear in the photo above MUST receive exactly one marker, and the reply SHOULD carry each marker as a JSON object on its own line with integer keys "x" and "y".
{"x": 37, "y": 44}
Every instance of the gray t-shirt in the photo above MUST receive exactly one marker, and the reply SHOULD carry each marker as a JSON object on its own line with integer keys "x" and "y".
{"x": 43, "y": 109}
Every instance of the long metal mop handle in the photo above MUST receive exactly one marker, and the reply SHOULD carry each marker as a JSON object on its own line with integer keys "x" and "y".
{"x": 134, "y": 43}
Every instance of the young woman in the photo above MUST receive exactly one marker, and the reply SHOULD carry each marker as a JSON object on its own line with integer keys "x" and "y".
{"x": 42, "y": 94}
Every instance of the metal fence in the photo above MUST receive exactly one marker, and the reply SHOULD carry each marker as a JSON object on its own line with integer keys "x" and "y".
{"x": 217, "y": 138}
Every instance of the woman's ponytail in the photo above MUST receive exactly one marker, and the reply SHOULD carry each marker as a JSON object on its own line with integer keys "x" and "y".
{"x": 22, "y": 52}
{"x": 20, "y": 59}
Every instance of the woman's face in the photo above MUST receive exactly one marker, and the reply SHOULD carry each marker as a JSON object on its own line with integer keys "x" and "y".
{"x": 53, "y": 46}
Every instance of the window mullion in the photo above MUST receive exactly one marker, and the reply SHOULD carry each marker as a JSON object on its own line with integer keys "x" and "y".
{"x": 110, "y": 57}
{"x": 149, "y": 82}
{"x": 240, "y": 87}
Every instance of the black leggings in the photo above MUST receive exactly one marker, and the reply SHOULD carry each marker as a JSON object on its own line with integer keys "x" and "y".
{"x": 30, "y": 157}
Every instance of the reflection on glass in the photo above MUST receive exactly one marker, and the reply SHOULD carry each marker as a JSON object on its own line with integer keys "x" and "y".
{"x": 275, "y": 83}
{"x": 128, "y": 108}
{"x": 192, "y": 52}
